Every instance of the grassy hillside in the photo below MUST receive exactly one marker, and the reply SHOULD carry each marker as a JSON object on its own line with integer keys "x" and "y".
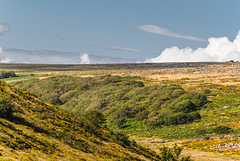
{"x": 217, "y": 131}
{"x": 124, "y": 101}
{"x": 31, "y": 129}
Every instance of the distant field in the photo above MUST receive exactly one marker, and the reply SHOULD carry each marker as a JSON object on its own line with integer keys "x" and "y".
{"x": 129, "y": 66}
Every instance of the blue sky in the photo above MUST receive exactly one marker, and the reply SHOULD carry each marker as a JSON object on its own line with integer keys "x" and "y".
{"x": 133, "y": 29}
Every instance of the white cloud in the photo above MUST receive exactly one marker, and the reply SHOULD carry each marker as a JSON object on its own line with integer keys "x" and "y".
{"x": 219, "y": 49}
{"x": 117, "y": 48}
{"x": 2, "y": 58}
{"x": 4, "y": 28}
{"x": 162, "y": 31}
{"x": 84, "y": 58}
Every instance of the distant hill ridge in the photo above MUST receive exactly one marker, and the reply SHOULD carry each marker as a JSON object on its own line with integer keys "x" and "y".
{"x": 116, "y": 66}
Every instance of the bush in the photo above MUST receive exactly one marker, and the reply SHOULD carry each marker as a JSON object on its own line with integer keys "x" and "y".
{"x": 120, "y": 122}
{"x": 222, "y": 129}
{"x": 142, "y": 115}
{"x": 6, "y": 110}
{"x": 199, "y": 99}
{"x": 205, "y": 91}
{"x": 111, "y": 79}
{"x": 195, "y": 115}
{"x": 95, "y": 117}
{"x": 172, "y": 154}
{"x": 7, "y": 75}
{"x": 181, "y": 118}
{"x": 201, "y": 131}
{"x": 134, "y": 83}
{"x": 123, "y": 138}
{"x": 185, "y": 106}
{"x": 84, "y": 87}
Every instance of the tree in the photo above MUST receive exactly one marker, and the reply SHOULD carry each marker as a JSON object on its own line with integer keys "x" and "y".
{"x": 172, "y": 154}
{"x": 7, "y": 74}
{"x": 95, "y": 117}
{"x": 6, "y": 109}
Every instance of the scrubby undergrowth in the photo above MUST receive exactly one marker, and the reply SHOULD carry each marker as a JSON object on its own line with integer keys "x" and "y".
{"x": 121, "y": 99}
{"x": 33, "y": 129}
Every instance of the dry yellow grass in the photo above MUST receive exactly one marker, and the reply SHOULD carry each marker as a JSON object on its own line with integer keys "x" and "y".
{"x": 208, "y": 156}
{"x": 217, "y": 74}
{"x": 196, "y": 155}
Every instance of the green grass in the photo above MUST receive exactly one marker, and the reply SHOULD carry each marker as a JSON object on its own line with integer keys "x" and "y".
{"x": 118, "y": 98}
{"x": 222, "y": 109}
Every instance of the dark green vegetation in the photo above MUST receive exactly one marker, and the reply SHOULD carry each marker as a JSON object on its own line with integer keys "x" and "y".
{"x": 7, "y": 75}
{"x": 124, "y": 101}
{"x": 31, "y": 129}
{"x": 172, "y": 154}
{"x": 6, "y": 109}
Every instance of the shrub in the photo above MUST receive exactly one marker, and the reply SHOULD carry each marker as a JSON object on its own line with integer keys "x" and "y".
{"x": 222, "y": 129}
{"x": 195, "y": 115}
{"x": 7, "y": 75}
{"x": 181, "y": 118}
{"x": 95, "y": 117}
{"x": 123, "y": 138}
{"x": 120, "y": 122}
{"x": 84, "y": 87}
{"x": 185, "y": 106}
{"x": 199, "y": 99}
{"x": 110, "y": 79}
{"x": 170, "y": 120}
{"x": 172, "y": 154}
{"x": 124, "y": 112}
{"x": 142, "y": 115}
{"x": 205, "y": 91}
{"x": 201, "y": 131}
{"x": 6, "y": 110}
{"x": 134, "y": 83}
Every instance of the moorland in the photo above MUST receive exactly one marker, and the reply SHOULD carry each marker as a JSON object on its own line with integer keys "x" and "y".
{"x": 140, "y": 108}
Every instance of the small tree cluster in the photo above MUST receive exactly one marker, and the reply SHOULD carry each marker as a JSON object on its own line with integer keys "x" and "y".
{"x": 7, "y": 75}
{"x": 95, "y": 117}
{"x": 173, "y": 154}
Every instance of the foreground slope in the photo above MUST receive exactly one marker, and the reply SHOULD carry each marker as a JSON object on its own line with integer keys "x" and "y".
{"x": 33, "y": 129}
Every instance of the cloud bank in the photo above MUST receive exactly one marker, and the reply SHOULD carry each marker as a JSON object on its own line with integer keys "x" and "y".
{"x": 56, "y": 57}
{"x": 218, "y": 49}
{"x": 3, "y": 59}
{"x": 162, "y": 31}
{"x": 85, "y": 59}
{"x": 4, "y": 28}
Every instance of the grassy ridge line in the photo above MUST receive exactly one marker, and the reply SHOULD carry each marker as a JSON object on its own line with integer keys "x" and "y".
{"x": 37, "y": 129}
{"x": 128, "y": 66}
